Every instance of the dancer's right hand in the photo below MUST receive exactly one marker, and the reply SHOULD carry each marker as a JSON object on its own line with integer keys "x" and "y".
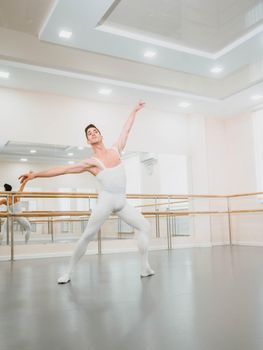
{"x": 26, "y": 177}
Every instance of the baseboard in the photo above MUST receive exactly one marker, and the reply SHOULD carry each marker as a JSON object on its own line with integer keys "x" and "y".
{"x": 252, "y": 244}
{"x": 220, "y": 243}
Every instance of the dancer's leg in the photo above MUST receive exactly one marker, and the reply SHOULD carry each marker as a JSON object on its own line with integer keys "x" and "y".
{"x": 3, "y": 232}
{"x": 134, "y": 218}
{"x": 97, "y": 218}
{"x": 26, "y": 226}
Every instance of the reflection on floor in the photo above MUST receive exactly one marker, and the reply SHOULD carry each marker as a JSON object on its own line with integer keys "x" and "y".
{"x": 199, "y": 299}
{"x": 63, "y": 245}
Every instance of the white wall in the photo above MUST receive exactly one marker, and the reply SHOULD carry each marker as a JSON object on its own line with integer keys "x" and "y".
{"x": 241, "y": 156}
{"x": 242, "y": 178}
{"x": 216, "y": 148}
{"x": 45, "y": 118}
{"x": 218, "y": 176}
{"x": 257, "y": 120}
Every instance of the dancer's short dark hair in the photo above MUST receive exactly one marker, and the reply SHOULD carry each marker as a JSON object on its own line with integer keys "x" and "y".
{"x": 7, "y": 187}
{"x": 90, "y": 126}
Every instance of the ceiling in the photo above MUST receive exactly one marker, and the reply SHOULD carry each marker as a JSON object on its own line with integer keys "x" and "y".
{"x": 207, "y": 25}
{"x": 109, "y": 40}
{"x": 26, "y": 16}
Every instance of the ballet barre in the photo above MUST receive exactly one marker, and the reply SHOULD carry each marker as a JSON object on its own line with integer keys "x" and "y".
{"x": 156, "y": 213}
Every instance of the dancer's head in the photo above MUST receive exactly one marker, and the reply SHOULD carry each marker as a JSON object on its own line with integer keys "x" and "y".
{"x": 93, "y": 134}
{"x": 7, "y": 187}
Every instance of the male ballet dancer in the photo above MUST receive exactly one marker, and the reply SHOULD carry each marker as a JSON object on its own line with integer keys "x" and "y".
{"x": 15, "y": 207}
{"x": 109, "y": 170}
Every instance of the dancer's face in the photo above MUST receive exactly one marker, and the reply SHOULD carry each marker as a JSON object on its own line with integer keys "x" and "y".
{"x": 93, "y": 136}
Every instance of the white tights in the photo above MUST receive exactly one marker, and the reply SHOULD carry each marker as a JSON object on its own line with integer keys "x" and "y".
{"x": 23, "y": 222}
{"x": 117, "y": 203}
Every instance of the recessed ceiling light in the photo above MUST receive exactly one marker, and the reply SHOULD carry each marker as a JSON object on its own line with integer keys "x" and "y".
{"x": 256, "y": 97}
{"x": 184, "y": 104}
{"x": 216, "y": 69}
{"x": 4, "y": 75}
{"x": 80, "y": 148}
{"x": 23, "y": 159}
{"x": 105, "y": 91}
{"x": 65, "y": 34}
{"x": 149, "y": 54}
{"x": 71, "y": 162}
{"x": 70, "y": 154}
{"x": 33, "y": 151}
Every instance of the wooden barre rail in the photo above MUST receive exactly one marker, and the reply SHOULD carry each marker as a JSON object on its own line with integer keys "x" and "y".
{"x": 131, "y": 196}
{"x": 85, "y": 214}
{"x": 159, "y": 204}
{"x": 152, "y": 213}
{"x": 95, "y": 195}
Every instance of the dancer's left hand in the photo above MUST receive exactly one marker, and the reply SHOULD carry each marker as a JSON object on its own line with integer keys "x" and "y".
{"x": 139, "y": 106}
{"x": 24, "y": 178}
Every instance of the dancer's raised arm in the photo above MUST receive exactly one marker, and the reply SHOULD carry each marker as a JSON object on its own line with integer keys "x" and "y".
{"x": 121, "y": 143}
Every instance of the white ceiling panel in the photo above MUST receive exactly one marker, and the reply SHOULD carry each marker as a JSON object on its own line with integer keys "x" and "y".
{"x": 24, "y": 15}
{"x": 199, "y": 24}
{"x": 188, "y": 36}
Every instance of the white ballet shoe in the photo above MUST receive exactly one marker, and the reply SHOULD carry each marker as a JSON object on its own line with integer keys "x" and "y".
{"x": 147, "y": 272}
{"x": 27, "y": 236}
{"x": 64, "y": 279}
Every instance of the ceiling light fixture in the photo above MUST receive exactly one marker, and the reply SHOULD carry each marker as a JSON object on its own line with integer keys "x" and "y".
{"x": 184, "y": 104}
{"x": 149, "y": 54}
{"x": 33, "y": 151}
{"x": 105, "y": 91}
{"x": 65, "y": 34}
{"x": 71, "y": 162}
{"x": 256, "y": 97}
{"x": 216, "y": 69}
{"x": 4, "y": 75}
{"x": 23, "y": 159}
{"x": 70, "y": 154}
{"x": 80, "y": 148}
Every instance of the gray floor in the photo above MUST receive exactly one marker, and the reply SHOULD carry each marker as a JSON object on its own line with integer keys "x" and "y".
{"x": 202, "y": 298}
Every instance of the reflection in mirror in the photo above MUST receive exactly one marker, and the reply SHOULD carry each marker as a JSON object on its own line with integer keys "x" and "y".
{"x": 147, "y": 173}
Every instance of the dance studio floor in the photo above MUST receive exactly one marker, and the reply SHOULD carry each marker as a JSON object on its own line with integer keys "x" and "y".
{"x": 199, "y": 299}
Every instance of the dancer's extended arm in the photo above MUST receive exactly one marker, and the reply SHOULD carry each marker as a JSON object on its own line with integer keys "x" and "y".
{"x": 62, "y": 170}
